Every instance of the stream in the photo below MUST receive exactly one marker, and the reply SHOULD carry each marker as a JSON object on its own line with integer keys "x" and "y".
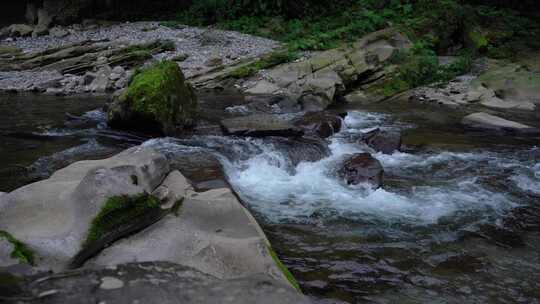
{"x": 457, "y": 221}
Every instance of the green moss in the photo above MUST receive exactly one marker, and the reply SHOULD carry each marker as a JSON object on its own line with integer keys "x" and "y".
{"x": 20, "y": 250}
{"x": 265, "y": 62}
{"x": 284, "y": 269}
{"x": 119, "y": 210}
{"x": 159, "y": 94}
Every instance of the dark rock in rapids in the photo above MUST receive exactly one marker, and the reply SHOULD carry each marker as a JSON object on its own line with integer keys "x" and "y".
{"x": 384, "y": 141}
{"x": 321, "y": 124}
{"x": 260, "y": 125}
{"x": 362, "y": 168}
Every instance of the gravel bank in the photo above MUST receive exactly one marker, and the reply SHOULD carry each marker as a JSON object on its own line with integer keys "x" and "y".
{"x": 200, "y": 45}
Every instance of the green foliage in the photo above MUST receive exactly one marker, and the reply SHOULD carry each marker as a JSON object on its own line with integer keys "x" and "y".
{"x": 290, "y": 277}
{"x": 20, "y": 251}
{"x": 117, "y": 211}
{"x": 265, "y": 62}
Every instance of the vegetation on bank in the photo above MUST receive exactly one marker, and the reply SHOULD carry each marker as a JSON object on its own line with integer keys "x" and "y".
{"x": 463, "y": 28}
{"x": 20, "y": 251}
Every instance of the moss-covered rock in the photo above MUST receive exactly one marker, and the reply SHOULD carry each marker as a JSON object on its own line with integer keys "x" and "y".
{"x": 20, "y": 251}
{"x": 157, "y": 100}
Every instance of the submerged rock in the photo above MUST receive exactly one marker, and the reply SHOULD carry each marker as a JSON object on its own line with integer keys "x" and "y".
{"x": 157, "y": 100}
{"x": 362, "y": 168}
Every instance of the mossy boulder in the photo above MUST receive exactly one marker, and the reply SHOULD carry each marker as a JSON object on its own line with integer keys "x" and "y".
{"x": 158, "y": 100}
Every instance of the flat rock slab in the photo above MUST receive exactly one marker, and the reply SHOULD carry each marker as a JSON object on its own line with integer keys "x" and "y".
{"x": 159, "y": 282}
{"x": 490, "y": 122}
{"x": 260, "y": 125}
{"x": 213, "y": 233}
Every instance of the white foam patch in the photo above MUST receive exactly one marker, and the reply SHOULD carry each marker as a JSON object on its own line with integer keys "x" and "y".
{"x": 528, "y": 179}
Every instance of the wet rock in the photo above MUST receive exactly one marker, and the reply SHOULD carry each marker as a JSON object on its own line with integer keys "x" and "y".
{"x": 63, "y": 206}
{"x": 320, "y": 124}
{"x": 214, "y": 62}
{"x": 260, "y": 125}
{"x": 58, "y": 32}
{"x": 157, "y": 282}
{"x": 362, "y": 168}
{"x": 44, "y": 22}
{"x": 455, "y": 262}
{"x": 316, "y": 81}
{"x": 157, "y": 100}
{"x": 384, "y": 141}
{"x": 302, "y": 149}
{"x": 490, "y": 122}
{"x": 203, "y": 169}
{"x": 101, "y": 83}
{"x": 19, "y": 30}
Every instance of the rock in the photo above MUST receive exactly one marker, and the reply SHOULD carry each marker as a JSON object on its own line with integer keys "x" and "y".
{"x": 316, "y": 82}
{"x": 58, "y": 32}
{"x": 119, "y": 70}
{"x": 320, "y": 124}
{"x": 20, "y": 30}
{"x": 490, "y": 122}
{"x": 156, "y": 282}
{"x": 6, "y": 249}
{"x": 214, "y": 62}
{"x": 259, "y": 125}
{"x": 44, "y": 22}
{"x": 212, "y": 233}
{"x": 302, "y": 149}
{"x": 157, "y": 100}
{"x": 180, "y": 57}
{"x": 88, "y": 78}
{"x": 384, "y": 141}
{"x": 52, "y": 217}
{"x": 362, "y": 168}
{"x": 101, "y": 83}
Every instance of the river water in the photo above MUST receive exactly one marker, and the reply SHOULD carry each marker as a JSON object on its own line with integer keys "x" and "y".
{"x": 457, "y": 220}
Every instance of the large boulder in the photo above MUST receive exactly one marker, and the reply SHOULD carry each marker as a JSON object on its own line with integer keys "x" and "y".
{"x": 362, "y": 168}
{"x": 157, "y": 100}
{"x": 52, "y": 217}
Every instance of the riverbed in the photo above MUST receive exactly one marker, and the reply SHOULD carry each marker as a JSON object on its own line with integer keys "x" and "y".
{"x": 457, "y": 220}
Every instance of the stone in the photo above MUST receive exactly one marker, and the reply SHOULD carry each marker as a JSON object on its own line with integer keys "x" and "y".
{"x": 214, "y": 62}
{"x": 58, "y": 32}
{"x": 321, "y": 124}
{"x": 88, "y": 78}
{"x": 260, "y": 125}
{"x": 180, "y": 58}
{"x": 490, "y": 122}
{"x": 158, "y": 282}
{"x": 20, "y": 30}
{"x": 318, "y": 81}
{"x": 52, "y": 217}
{"x": 212, "y": 233}
{"x": 101, "y": 83}
{"x": 386, "y": 142}
{"x": 158, "y": 100}
{"x": 362, "y": 168}
{"x": 6, "y": 248}
{"x": 44, "y": 22}
{"x": 109, "y": 283}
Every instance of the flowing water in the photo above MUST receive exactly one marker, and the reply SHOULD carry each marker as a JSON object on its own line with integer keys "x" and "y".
{"x": 457, "y": 220}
